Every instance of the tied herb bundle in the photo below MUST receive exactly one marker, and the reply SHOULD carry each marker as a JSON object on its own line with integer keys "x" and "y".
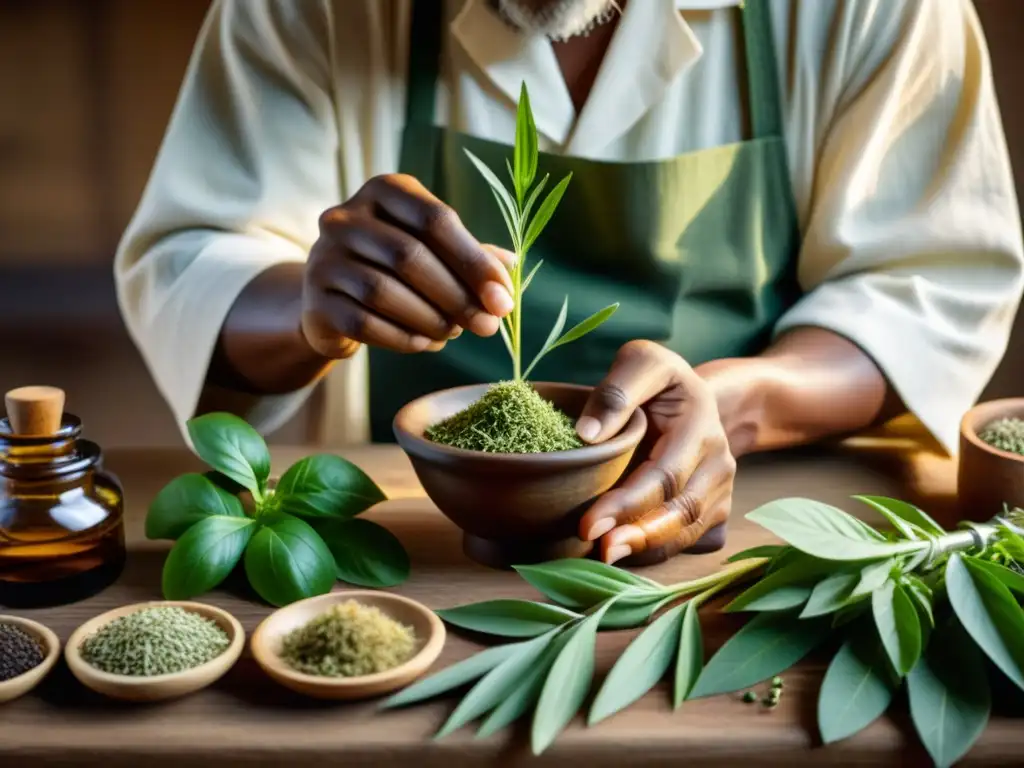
{"x": 296, "y": 540}
{"x": 879, "y": 597}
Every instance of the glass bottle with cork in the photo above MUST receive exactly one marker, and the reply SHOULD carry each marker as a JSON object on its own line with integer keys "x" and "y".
{"x": 61, "y": 514}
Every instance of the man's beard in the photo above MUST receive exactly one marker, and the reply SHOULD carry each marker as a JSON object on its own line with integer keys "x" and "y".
{"x": 556, "y": 19}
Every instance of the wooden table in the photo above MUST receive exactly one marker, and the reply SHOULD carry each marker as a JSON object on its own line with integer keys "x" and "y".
{"x": 246, "y": 719}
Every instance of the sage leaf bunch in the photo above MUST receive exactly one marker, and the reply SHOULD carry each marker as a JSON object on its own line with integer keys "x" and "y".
{"x": 294, "y": 540}
{"x": 525, "y": 216}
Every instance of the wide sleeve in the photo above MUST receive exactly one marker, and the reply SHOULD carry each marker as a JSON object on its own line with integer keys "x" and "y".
{"x": 912, "y": 241}
{"x": 248, "y": 162}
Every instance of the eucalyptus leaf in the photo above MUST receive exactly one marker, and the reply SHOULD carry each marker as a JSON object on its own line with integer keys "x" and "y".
{"x": 450, "y": 678}
{"x": 1010, "y": 578}
{"x": 824, "y": 531}
{"x": 908, "y": 513}
{"x": 644, "y": 662}
{"x": 768, "y": 644}
{"x": 584, "y": 327}
{"x": 544, "y": 213}
{"x": 634, "y": 609}
{"x": 567, "y": 683}
{"x": 950, "y": 700}
{"x": 233, "y": 448}
{"x": 883, "y": 506}
{"x": 765, "y": 550}
{"x": 690, "y": 656}
{"x": 922, "y": 597}
{"x": 856, "y": 691}
{"x": 365, "y": 553}
{"x": 987, "y": 610}
{"x": 326, "y": 486}
{"x": 185, "y": 501}
{"x": 872, "y": 577}
{"x": 898, "y": 626}
{"x": 288, "y": 561}
{"x": 508, "y": 618}
{"x": 204, "y": 555}
{"x": 850, "y": 613}
{"x": 529, "y": 277}
{"x": 830, "y": 594}
{"x": 579, "y": 583}
{"x": 525, "y": 145}
{"x": 788, "y": 586}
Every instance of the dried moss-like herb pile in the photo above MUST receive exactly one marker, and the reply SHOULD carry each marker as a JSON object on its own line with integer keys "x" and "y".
{"x": 510, "y": 418}
{"x": 1006, "y": 435}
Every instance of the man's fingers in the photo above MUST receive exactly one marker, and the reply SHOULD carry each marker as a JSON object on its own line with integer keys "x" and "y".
{"x": 668, "y": 530}
{"x": 336, "y": 315}
{"x": 507, "y": 258}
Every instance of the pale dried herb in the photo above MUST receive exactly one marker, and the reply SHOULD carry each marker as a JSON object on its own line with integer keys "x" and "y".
{"x": 1005, "y": 434}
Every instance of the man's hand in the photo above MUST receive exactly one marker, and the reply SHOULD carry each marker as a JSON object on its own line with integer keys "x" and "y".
{"x": 395, "y": 268}
{"x": 683, "y": 488}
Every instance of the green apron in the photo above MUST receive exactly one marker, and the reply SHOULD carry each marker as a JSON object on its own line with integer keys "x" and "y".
{"x": 699, "y": 250}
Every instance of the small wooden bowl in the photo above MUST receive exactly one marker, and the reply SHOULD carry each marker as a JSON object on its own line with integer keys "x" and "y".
{"x": 988, "y": 478}
{"x": 25, "y": 682}
{"x": 157, "y": 687}
{"x": 267, "y": 639}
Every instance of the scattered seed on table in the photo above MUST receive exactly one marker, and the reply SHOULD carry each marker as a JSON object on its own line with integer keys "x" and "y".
{"x": 19, "y": 652}
{"x": 776, "y": 682}
{"x": 749, "y": 697}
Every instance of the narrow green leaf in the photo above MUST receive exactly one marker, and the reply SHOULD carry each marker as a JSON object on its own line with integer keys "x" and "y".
{"x": 768, "y": 644}
{"x": 782, "y": 598}
{"x": 508, "y": 618}
{"x": 788, "y": 586}
{"x": 233, "y": 448}
{"x": 856, "y": 691}
{"x": 644, "y": 662}
{"x": 555, "y": 331}
{"x": 1013, "y": 542}
{"x": 1010, "y": 578}
{"x": 505, "y": 201}
{"x": 872, "y": 577}
{"x": 534, "y": 196}
{"x": 989, "y": 613}
{"x": 525, "y": 145}
{"x": 581, "y": 584}
{"x": 365, "y": 553}
{"x": 450, "y": 678}
{"x": 826, "y": 532}
{"x": 690, "y": 657}
{"x": 512, "y": 178}
{"x": 898, "y": 626}
{"x": 950, "y": 700}
{"x": 894, "y": 509}
{"x": 581, "y": 329}
{"x": 830, "y": 594}
{"x": 922, "y": 597}
{"x": 511, "y": 222}
{"x": 204, "y": 556}
{"x": 766, "y": 550}
{"x": 287, "y": 561}
{"x": 882, "y": 506}
{"x": 529, "y": 277}
{"x": 633, "y": 610}
{"x": 567, "y": 683}
{"x": 507, "y": 339}
{"x": 326, "y": 486}
{"x": 849, "y": 613}
{"x": 185, "y": 501}
{"x": 544, "y": 213}
{"x": 493, "y": 687}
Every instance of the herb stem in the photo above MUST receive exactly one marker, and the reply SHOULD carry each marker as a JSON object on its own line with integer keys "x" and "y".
{"x": 721, "y": 578}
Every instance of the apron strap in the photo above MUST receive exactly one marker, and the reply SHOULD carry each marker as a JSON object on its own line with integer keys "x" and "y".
{"x": 425, "y": 38}
{"x": 762, "y": 70}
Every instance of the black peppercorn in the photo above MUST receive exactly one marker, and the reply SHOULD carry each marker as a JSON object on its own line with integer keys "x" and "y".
{"x": 19, "y": 652}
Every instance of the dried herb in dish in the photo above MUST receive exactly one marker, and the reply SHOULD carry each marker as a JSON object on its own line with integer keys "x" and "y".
{"x": 19, "y": 652}
{"x": 1005, "y": 434}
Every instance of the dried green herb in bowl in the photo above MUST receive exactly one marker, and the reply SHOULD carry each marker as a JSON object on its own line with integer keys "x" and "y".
{"x": 1006, "y": 434}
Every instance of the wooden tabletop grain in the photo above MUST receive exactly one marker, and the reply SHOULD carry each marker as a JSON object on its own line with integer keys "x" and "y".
{"x": 246, "y": 719}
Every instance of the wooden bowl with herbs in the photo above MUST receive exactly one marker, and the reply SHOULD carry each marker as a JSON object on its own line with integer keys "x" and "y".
{"x": 28, "y": 651}
{"x": 991, "y": 465}
{"x": 514, "y": 508}
{"x": 156, "y": 650}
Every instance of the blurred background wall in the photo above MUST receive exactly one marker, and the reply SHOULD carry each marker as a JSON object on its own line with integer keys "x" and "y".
{"x": 86, "y": 87}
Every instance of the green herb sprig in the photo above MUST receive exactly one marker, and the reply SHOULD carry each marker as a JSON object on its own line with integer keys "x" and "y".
{"x": 297, "y": 539}
{"x": 882, "y": 594}
{"x": 525, "y": 221}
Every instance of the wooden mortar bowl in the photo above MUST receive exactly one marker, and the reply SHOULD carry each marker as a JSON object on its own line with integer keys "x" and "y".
{"x": 514, "y": 508}
{"x": 988, "y": 478}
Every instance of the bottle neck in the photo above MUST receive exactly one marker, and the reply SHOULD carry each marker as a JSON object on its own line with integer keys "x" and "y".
{"x": 29, "y": 457}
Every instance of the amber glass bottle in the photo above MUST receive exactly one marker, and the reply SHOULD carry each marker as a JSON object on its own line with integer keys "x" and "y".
{"x": 61, "y": 514}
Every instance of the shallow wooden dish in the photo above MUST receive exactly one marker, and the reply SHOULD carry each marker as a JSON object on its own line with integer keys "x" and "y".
{"x": 514, "y": 509}
{"x": 430, "y": 636}
{"x": 157, "y": 687}
{"x": 25, "y": 682}
{"x": 988, "y": 478}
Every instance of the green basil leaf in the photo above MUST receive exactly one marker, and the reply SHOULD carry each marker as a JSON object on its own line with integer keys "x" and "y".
{"x": 204, "y": 556}
{"x": 768, "y": 644}
{"x": 872, "y": 577}
{"x": 224, "y": 483}
{"x": 495, "y": 686}
{"x": 788, "y": 586}
{"x": 525, "y": 146}
{"x": 644, "y": 662}
{"x": 185, "y": 501}
{"x": 690, "y": 659}
{"x": 567, "y": 683}
{"x": 326, "y": 485}
{"x": 898, "y": 626}
{"x": 580, "y": 583}
{"x": 989, "y": 613}
{"x": 365, "y": 553}
{"x": 584, "y": 327}
{"x": 856, "y": 691}
{"x": 288, "y": 561}
{"x": 830, "y": 594}
{"x": 233, "y": 448}
{"x": 450, "y": 678}
{"x": 898, "y": 512}
{"x": 823, "y": 531}
{"x": 950, "y": 700}
{"x": 549, "y": 343}
{"x": 527, "y": 692}
{"x": 529, "y": 277}
{"x": 544, "y": 213}
{"x": 508, "y": 618}
{"x": 1010, "y": 578}
{"x": 765, "y": 550}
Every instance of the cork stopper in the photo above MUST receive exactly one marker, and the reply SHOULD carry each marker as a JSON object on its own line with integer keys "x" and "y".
{"x": 35, "y": 411}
